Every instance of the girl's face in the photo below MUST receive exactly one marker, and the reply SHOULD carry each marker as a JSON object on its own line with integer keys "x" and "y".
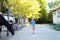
{"x": 32, "y": 19}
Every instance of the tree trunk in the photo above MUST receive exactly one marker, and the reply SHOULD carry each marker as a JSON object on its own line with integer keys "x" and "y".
{"x": 0, "y": 5}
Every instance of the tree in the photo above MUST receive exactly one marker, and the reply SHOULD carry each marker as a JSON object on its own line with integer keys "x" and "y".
{"x": 57, "y": 3}
{"x": 53, "y": 5}
{"x": 0, "y": 5}
{"x": 2, "y": 8}
{"x": 26, "y": 8}
{"x": 43, "y": 11}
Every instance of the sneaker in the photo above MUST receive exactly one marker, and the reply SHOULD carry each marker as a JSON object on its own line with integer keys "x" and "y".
{"x": 33, "y": 32}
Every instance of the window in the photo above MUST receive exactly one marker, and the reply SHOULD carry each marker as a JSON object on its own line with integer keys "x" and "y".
{"x": 54, "y": 13}
{"x": 58, "y": 14}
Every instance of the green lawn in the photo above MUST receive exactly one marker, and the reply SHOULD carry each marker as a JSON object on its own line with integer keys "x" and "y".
{"x": 55, "y": 26}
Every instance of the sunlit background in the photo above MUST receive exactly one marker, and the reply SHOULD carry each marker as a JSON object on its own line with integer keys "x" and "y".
{"x": 48, "y": 1}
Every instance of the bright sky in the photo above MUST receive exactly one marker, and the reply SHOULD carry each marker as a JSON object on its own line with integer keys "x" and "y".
{"x": 48, "y": 1}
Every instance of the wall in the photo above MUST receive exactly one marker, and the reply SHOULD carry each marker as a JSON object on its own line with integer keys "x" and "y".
{"x": 56, "y": 19}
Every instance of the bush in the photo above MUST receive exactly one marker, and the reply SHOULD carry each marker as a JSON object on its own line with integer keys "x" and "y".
{"x": 55, "y": 26}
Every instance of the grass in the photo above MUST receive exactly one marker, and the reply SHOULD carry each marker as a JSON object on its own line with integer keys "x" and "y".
{"x": 55, "y": 26}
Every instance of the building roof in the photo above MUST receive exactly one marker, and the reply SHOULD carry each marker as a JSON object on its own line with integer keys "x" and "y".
{"x": 56, "y": 9}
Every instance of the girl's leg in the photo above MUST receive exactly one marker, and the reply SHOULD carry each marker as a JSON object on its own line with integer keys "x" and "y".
{"x": 33, "y": 30}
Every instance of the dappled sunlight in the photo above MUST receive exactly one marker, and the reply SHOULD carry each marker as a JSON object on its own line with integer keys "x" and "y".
{"x": 43, "y": 13}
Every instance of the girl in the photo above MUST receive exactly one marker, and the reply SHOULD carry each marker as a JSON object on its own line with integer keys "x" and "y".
{"x": 32, "y": 22}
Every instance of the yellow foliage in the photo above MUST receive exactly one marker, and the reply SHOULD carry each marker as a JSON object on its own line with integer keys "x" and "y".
{"x": 26, "y": 8}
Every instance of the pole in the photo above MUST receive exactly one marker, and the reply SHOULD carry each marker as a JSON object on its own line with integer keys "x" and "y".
{"x": 8, "y": 18}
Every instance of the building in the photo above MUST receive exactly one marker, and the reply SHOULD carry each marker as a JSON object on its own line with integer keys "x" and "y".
{"x": 56, "y": 16}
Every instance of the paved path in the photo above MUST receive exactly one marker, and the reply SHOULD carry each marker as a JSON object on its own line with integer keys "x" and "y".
{"x": 42, "y": 32}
